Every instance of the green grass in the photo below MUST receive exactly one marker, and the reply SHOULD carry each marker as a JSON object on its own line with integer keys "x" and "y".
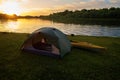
{"x": 77, "y": 65}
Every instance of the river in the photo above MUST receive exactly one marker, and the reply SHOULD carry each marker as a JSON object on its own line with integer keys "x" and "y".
{"x": 30, "y": 25}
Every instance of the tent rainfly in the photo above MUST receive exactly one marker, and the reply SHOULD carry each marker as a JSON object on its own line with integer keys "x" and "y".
{"x": 47, "y": 41}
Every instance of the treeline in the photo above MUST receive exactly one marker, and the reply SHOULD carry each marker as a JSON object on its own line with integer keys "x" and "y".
{"x": 6, "y": 16}
{"x": 105, "y": 16}
{"x": 84, "y": 13}
{"x": 28, "y": 17}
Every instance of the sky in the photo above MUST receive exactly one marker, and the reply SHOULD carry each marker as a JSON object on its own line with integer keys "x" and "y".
{"x": 46, "y": 7}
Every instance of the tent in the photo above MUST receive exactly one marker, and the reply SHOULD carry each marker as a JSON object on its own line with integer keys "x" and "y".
{"x": 47, "y": 41}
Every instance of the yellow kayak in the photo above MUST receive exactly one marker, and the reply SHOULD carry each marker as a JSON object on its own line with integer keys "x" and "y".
{"x": 88, "y": 46}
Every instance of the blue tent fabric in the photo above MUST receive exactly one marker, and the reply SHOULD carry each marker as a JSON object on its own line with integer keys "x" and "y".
{"x": 60, "y": 43}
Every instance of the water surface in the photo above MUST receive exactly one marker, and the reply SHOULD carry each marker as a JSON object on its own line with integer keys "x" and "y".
{"x": 29, "y": 25}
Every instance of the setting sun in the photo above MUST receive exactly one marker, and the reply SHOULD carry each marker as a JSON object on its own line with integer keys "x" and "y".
{"x": 10, "y": 7}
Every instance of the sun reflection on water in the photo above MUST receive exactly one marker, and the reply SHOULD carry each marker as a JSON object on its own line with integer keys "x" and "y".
{"x": 30, "y": 25}
{"x": 12, "y": 26}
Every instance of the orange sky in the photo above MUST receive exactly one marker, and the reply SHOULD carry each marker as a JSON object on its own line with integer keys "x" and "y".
{"x": 45, "y": 7}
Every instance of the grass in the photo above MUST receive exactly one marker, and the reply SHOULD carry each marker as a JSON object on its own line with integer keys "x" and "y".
{"x": 77, "y": 65}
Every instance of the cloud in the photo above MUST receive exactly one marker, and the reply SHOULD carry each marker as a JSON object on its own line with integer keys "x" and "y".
{"x": 74, "y": 5}
{"x": 1, "y": 1}
{"x": 37, "y": 7}
{"x": 38, "y": 12}
{"x": 95, "y": 4}
{"x": 115, "y": 1}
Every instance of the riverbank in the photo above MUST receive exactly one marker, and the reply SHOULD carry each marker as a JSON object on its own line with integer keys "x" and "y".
{"x": 87, "y": 21}
{"x": 77, "y": 65}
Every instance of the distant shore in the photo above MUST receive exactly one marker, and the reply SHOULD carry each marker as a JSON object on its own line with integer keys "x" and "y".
{"x": 105, "y": 16}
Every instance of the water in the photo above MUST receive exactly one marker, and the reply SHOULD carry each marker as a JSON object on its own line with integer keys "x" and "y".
{"x": 29, "y": 25}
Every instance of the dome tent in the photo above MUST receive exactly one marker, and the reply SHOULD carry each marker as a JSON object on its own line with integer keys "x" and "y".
{"x": 47, "y": 41}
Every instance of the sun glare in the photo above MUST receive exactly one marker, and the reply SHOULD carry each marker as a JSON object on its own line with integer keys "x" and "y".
{"x": 10, "y": 8}
{"x": 12, "y": 26}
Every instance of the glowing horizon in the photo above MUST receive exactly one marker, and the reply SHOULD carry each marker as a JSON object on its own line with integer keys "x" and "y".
{"x": 11, "y": 7}
{"x": 45, "y": 7}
